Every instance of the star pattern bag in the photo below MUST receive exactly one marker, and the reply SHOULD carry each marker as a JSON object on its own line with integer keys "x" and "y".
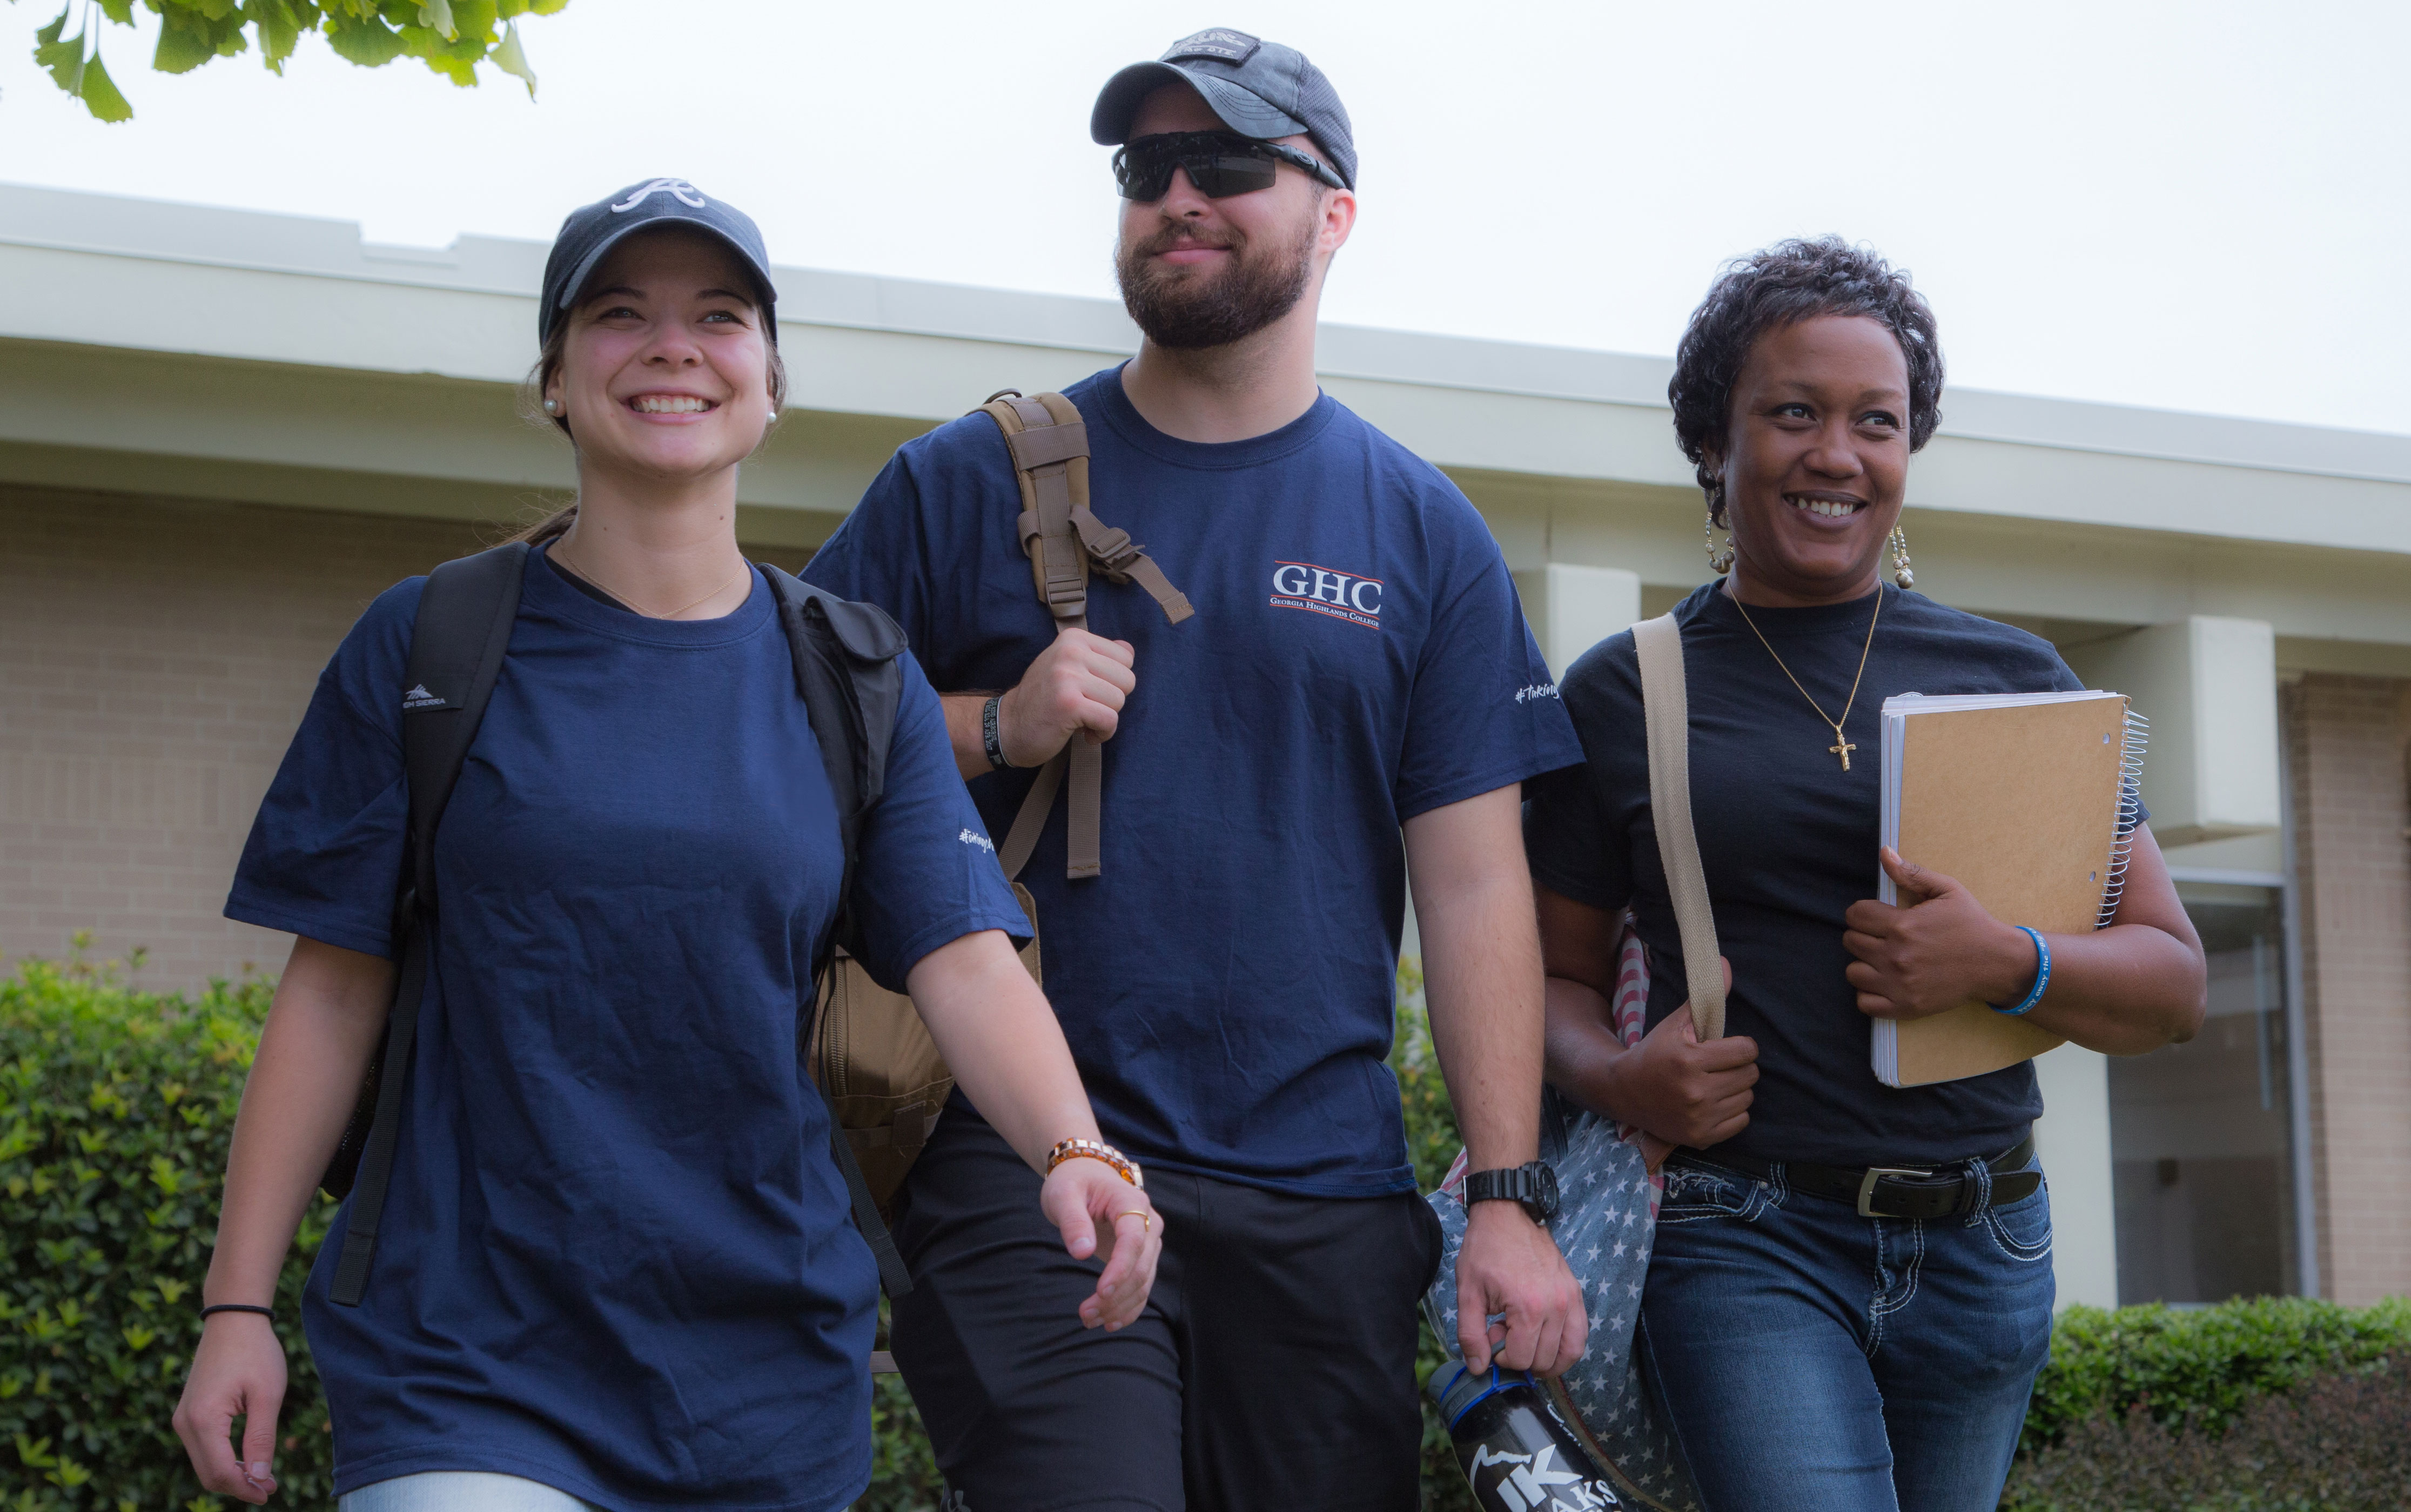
{"x": 1607, "y": 1214}
{"x": 1607, "y": 1195}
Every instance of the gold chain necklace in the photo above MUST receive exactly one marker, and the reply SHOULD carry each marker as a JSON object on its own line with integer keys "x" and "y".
{"x": 742, "y": 568}
{"x": 1842, "y": 745}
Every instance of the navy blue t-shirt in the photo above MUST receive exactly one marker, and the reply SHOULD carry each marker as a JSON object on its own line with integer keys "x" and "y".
{"x": 1788, "y": 840}
{"x": 615, "y": 1256}
{"x": 1357, "y": 658}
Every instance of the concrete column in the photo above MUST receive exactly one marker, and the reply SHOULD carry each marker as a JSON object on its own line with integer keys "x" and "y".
{"x": 1572, "y": 609}
{"x": 2073, "y": 1138}
{"x": 2209, "y": 686}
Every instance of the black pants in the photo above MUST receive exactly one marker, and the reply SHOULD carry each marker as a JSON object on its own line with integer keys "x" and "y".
{"x": 1273, "y": 1369}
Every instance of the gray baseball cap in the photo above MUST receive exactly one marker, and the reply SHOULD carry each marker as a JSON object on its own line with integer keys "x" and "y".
{"x": 1259, "y": 89}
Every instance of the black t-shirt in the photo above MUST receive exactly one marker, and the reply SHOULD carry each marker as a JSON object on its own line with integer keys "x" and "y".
{"x": 1788, "y": 840}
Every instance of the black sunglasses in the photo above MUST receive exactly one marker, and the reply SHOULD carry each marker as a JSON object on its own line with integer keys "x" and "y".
{"x": 1219, "y": 162}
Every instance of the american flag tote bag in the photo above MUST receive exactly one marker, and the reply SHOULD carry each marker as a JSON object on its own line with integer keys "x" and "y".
{"x": 1607, "y": 1214}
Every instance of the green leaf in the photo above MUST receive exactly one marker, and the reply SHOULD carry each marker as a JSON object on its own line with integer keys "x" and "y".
{"x": 99, "y": 93}
{"x": 436, "y": 16}
{"x": 278, "y": 32}
{"x": 365, "y": 40}
{"x": 511, "y": 59}
{"x": 62, "y": 59}
{"x": 182, "y": 47}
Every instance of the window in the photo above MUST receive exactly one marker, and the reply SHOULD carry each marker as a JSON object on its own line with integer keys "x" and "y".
{"x": 2198, "y": 1132}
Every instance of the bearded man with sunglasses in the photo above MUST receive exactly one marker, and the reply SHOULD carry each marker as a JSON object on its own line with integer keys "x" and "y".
{"x": 1357, "y": 667}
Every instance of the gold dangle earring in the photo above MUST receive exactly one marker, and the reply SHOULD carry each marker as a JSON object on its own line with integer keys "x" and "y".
{"x": 1719, "y": 560}
{"x": 1900, "y": 573}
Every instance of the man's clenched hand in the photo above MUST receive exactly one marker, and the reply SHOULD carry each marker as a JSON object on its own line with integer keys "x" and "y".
{"x": 1510, "y": 1265}
{"x": 1077, "y": 684}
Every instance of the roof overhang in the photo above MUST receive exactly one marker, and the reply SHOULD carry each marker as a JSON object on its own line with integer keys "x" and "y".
{"x": 181, "y": 349}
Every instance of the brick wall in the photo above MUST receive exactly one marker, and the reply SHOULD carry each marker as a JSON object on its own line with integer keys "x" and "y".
{"x": 155, "y": 656}
{"x": 2347, "y": 739}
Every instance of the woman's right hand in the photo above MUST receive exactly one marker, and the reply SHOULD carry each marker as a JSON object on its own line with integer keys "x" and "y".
{"x": 1675, "y": 1088}
{"x": 1099, "y": 1213}
{"x": 237, "y": 1371}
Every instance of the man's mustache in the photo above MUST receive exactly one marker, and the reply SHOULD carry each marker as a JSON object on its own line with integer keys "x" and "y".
{"x": 1182, "y": 241}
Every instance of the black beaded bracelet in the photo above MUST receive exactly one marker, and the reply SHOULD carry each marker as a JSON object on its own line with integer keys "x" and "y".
{"x": 236, "y": 1307}
{"x": 988, "y": 733}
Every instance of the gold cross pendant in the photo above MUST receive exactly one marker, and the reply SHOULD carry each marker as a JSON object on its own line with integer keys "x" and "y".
{"x": 1843, "y": 750}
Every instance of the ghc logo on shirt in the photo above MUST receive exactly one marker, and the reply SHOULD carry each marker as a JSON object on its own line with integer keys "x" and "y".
{"x": 1302, "y": 585}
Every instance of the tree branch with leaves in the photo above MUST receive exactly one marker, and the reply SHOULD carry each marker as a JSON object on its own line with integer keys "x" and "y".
{"x": 450, "y": 36}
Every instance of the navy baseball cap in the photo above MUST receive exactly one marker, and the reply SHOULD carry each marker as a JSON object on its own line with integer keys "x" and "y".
{"x": 589, "y": 233}
{"x": 1259, "y": 89}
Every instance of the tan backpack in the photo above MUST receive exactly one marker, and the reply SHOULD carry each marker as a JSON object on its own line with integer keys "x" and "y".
{"x": 872, "y": 1055}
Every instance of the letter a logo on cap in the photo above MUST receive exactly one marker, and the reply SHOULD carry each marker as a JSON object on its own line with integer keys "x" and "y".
{"x": 1215, "y": 42}
{"x": 677, "y": 189}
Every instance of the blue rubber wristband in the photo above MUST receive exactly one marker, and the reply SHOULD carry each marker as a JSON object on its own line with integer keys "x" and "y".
{"x": 2042, "y": 975}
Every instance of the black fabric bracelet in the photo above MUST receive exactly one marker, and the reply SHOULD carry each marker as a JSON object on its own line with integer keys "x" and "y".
{"x": 988, "y": 735}
{"x": 236, "y": 1307}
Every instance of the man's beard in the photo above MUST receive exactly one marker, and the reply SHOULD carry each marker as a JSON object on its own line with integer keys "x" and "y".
{"x": 1178, "y": 309}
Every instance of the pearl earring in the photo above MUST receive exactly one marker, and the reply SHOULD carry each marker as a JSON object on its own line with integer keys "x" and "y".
{"x": 552, "y": 406}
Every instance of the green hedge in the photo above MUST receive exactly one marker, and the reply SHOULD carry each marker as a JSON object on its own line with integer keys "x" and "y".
{"x": 2336, "y": 1441}
{"x": 1432, "y": 1144}
{"x": 115, "y": 1109}
{"x": 2204, "y": 1364}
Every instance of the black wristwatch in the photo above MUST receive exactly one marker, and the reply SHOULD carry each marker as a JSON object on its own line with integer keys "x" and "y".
{"x": 991, "y": 736}
{"x": 1534, "y": 1186}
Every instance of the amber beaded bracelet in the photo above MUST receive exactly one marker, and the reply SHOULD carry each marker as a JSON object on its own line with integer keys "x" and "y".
{"x": 1095, "y": 1150}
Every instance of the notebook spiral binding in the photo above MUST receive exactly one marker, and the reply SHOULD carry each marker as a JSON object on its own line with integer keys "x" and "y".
{"x": 2130, "y": 809}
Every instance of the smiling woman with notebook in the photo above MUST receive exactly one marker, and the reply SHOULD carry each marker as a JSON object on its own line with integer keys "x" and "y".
{"x": 1851, "y": 1287}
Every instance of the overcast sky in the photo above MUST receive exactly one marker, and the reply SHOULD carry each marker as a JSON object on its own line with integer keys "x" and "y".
{"x": 2197, "y": 206}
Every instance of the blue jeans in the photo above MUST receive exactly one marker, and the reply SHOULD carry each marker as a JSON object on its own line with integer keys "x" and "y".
{"x": 1811, "y": 1359}
{"x": 461, "y": 1490}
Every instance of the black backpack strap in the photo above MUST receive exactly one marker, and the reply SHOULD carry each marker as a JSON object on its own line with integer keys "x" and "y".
{"x": 852, "y": 683}
{"x": 457, "y": 645}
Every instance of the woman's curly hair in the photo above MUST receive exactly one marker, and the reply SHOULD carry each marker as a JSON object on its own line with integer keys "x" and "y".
{"x": 1780, "y": 285}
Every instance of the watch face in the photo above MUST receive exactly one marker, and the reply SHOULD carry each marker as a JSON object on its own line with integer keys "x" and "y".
{"x": 1544, "y": 1188}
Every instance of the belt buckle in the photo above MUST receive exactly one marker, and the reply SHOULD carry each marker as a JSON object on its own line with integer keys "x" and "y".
{"x": 1867, "y": 1186}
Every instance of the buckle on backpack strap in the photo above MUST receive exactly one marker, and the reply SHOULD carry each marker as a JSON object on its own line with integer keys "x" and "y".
{"x": 1867, "y": 1187}
{"x": 1113, "y": 552}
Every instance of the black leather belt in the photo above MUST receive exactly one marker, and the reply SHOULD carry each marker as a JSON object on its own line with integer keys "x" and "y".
{"x": 1890, "y": 1191}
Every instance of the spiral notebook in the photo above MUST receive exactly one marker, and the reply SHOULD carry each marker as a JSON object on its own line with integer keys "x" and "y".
{"x": 2029, "y": 799}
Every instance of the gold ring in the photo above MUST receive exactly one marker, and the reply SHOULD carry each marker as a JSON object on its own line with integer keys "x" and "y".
{"x": 1146, "y": 1222}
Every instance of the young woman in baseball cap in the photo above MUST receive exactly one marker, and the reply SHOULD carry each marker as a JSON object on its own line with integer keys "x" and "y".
{"x": 616, "y": 1267}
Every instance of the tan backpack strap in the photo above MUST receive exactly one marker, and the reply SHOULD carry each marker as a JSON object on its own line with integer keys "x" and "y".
{"x": 1666, "y": 711}
{"x": 1058, "y": 532}
{"x": 1084, "y": 810}
{"x": 1123, "y": 561}
{"x": 1023, "y": 837}
{"x": 1050, "y": 461}
{"x": 1063, "y": 539}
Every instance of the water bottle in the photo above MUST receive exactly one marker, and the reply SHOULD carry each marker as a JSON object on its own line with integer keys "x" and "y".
{"x": 1514, "y": 1453}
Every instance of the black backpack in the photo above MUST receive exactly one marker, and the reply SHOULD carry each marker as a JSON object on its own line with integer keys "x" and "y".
{"x": 846, "y": 671}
